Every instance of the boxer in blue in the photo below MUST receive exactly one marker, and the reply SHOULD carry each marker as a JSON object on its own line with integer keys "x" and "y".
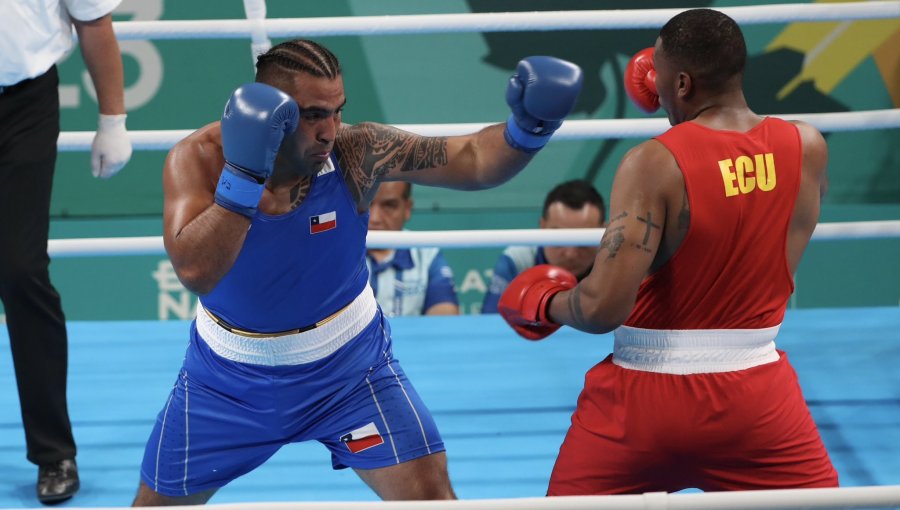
{"x": 265, "y": 219}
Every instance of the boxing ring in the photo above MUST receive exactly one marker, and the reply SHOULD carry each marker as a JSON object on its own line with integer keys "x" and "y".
{"x": 502, "y": 404}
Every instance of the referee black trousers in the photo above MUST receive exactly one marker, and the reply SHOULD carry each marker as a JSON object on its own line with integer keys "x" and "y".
{"x": 29, "y": 127}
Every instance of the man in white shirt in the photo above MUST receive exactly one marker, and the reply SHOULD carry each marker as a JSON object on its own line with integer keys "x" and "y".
{"x": 34, "y": 36}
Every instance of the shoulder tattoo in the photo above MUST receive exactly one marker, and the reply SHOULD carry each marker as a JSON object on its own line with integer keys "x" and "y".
{"x": 368, "y": 151}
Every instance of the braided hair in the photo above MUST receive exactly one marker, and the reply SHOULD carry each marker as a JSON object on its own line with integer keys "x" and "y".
{"x": 276, "y": 66}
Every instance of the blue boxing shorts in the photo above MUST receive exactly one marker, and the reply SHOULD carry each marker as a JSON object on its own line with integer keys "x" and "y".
{"x": 224, "y": 417}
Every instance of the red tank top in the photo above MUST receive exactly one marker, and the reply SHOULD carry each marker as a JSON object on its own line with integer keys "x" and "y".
{"x": 731, "y": 270}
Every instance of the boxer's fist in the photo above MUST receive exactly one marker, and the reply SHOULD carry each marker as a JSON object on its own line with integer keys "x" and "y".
{"x": 257, "y": 117}
{"x": 640, "y": 81}
{"x": 524, "y": 302}
{"x": 540, "y": 94}
{"x": 111, "y": 148}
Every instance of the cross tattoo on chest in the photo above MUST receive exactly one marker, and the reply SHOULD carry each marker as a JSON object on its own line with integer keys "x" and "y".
{"x": 650, "y": 226}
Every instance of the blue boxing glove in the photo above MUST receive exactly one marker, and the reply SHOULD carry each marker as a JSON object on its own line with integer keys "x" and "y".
{"x": 257, "y": 117}
{"x": 541, "y": 94}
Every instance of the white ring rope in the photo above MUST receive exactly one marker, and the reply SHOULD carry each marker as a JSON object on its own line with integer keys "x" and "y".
{"x": 492, "y": 22}
{"x": 80, "y": 141}
{"x": 153, "y": 245}
{"x": 887, "y": 496}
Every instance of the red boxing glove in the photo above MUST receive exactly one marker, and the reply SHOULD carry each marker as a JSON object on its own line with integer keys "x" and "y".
{"x": 640, "y": 81}
{"x": 524, "y": 302}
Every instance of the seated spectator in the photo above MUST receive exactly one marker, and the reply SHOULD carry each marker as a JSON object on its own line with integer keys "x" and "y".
{"x": 572, "y": 204}
{"x": 414, "y": 281}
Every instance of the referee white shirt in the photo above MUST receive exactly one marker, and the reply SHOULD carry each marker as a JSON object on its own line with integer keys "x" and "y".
{"x": 35, "y": 34}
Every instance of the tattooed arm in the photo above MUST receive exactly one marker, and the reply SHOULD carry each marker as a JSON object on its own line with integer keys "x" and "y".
{"x": 371, "y": 152}
{"x": 647, "y": 186}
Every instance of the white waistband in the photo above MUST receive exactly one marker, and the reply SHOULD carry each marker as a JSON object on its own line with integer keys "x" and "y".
{"x": 693, "y": 351}
{"x": 293, "y": 349}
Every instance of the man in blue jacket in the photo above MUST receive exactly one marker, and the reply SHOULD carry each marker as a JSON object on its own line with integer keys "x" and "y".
{"x": 572, "y": 204}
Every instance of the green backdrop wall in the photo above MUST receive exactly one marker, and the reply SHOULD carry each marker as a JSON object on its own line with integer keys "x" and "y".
{"x": 448, "y": 78}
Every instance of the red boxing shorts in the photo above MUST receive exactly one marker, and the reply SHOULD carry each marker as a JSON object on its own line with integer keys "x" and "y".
{"x": 637, "y": 431}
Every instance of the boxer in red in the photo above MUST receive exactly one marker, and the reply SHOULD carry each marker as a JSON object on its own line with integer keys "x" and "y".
{"x": 707, "y": 225}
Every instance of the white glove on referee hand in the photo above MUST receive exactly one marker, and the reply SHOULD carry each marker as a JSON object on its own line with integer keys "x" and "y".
{"x": 111, "y": 148}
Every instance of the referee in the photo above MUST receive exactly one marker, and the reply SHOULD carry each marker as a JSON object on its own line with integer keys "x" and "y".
{"x": 34, "y": 36}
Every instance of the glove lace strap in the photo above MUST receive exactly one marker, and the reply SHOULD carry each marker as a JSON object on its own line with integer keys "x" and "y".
{"x": 522, "y": 140}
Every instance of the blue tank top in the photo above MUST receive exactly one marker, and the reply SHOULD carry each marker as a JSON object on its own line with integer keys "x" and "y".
{"x": 298, "y": 268}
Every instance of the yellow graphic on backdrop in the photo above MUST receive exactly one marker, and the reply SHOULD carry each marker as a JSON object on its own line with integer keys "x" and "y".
{"x": 833, "y": 50}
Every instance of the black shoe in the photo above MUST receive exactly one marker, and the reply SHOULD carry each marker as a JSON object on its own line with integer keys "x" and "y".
{"x": 57, "y": 481}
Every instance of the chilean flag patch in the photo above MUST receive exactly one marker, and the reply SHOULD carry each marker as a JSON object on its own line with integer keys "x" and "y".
{"x": 362, "y": 438}
{"x": 322, "y": 222}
